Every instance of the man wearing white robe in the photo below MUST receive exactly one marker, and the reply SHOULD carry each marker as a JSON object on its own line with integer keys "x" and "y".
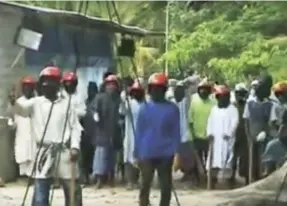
{"x": 25, "y": 146}
{"x": 58, "y": 138}
{"x": 221, "y": 128}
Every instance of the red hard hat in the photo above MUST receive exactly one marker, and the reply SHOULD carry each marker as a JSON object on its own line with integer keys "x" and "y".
{"x": 70, "y": 76}
{"x": 111, "y": 78}
{"x": 28, "y": 80}
{"x": 158, "y": 79}
{"x": 221, "y": 90}
{"x": 51, "y": 71}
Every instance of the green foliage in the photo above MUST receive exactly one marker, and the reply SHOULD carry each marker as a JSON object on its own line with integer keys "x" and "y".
{"x": 230, "y": 40}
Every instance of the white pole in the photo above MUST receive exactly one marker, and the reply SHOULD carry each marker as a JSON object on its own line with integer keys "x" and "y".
{"x": 166, "y": 35}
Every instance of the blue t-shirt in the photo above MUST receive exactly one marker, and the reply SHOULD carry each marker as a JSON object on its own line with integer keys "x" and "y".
{"x": 157, "y": 130}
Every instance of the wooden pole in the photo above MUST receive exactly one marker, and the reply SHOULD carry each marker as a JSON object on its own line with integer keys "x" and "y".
{"x": 250, "y": 169}
{"x": 73, "y": 183}
{"x": 209, "y": 171}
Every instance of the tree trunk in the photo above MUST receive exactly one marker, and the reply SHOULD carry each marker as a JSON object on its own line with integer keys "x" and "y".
{"x": 260, "y": 193}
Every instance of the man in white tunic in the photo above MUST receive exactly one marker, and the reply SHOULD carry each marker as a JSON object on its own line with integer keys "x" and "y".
{"x": 130, "y": 108}
{"x": 221, "y": 129}
{"x": 70, "y": 83}
{"x": 57, "y": 134}
{"x": 25, "y": 147}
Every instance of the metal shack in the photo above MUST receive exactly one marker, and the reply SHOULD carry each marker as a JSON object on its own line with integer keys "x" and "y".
{"x": 60, "y": 30}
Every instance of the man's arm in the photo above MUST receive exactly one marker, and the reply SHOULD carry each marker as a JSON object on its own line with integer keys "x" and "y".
{"x": 176, "y": 127}
{"x": 140, "y": 124}
{"x": 75, "y": 129}
{"x": 24, "y": 107}
{"x": 246, "y": 116}
{"x": 191, "y": 118}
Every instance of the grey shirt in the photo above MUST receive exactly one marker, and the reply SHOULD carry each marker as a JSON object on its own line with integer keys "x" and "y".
{"x": 259, "y": 115}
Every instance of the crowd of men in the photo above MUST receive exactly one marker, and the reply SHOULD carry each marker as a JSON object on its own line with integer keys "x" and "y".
{"x": 203, "y": 128}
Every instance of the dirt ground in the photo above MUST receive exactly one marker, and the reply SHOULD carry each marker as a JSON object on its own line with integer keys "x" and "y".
{"x": 12, "y": 195}
{"x": 257, "y": 194}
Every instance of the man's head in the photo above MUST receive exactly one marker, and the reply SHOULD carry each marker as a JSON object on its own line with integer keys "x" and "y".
{"x": 157, "y": 86}
{"x": 179, "y": 91}
{"x": 222, "y": 94}
{"x": 261, "y": 91}
{"x": 50, "y": 79}
{"x": 280, "y": 91}
{"x": 70, "y": 82}
{"x": 111, "y": 83}
{"x": 241, "y": 93}
{"x": 204, "y": 89}
{"x": 28, "y": 86}
{"x": 136, "y": 91}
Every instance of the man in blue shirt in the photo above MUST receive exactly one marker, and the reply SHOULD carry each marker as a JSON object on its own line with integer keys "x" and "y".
{"x": 157, "y": 139}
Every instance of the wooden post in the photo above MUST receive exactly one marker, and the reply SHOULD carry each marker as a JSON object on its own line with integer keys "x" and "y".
{"x": 250, "y": 169}
{"x": 209, "y": 171}
{"x": 73, "y": 183}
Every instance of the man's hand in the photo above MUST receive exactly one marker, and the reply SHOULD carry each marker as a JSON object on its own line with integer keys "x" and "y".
{"x": 74, "y": 153}
{"x": 12, "y": 98}
{"x": 211, "y": 138}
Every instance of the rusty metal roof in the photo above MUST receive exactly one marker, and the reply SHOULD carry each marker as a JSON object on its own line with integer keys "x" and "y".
{"x": 74, "y": 19}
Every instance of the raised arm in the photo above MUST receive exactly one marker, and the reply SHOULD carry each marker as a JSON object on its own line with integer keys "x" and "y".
{"x": 24, "y": 107}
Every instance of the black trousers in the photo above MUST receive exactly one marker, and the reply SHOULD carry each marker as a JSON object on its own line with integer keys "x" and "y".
{"x": 163, "y": 166}
{"x": 131, "y": 173}
{"x": 87, "y": 156}
{"x": 202, "y": 147}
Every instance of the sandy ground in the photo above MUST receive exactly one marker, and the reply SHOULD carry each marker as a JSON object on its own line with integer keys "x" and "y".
{"x": 12, "y": 195}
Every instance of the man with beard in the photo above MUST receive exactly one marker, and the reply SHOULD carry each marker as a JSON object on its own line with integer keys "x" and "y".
{"x": 259, "y": 114}
{"x": 199, "y": 110}
{"x": 130, "y": 109}
{"x": 221, "y": 129}
{"x": 57, "y": 136}
{"x": 157, "y": 139}
{"x": 241, "y": 144}
{"x": 25, "y": 147}
{"x": 106, "y": 114}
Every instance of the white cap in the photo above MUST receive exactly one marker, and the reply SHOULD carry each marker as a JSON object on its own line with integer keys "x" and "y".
{"x": 254, "y": 82}
{"x": 241, "y": 86}
{"x": 172, "y": 82}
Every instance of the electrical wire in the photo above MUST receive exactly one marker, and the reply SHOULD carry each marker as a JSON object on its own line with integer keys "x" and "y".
{"x": 137, "y": 77}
